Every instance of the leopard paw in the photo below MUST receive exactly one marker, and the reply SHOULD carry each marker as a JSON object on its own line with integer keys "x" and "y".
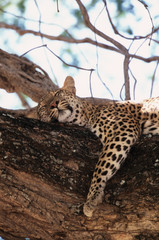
{"x": 88, "y": 209}
{"x": 92, "y": 203}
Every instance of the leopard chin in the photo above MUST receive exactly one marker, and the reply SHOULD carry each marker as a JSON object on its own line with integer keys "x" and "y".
{"x": 64, "y": 115}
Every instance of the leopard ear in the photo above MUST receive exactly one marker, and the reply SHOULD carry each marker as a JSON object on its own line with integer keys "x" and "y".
{"x": 69, "y": 85}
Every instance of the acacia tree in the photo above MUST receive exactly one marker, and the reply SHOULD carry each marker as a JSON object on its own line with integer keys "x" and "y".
{"x": 46, "y": 169}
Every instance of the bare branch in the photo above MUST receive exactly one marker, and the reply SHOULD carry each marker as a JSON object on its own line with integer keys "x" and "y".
{"x": 33, "y": 49}
{"x": 126, "y": 77}
{"x": 135, "y": 82}
{"x": 70, "y": 65}
{"x": 98, "y": 32}
{"x": 18, "y": 75}
{"x": 135, "y": 37}
{"x": 121, "y": 91}
{"x": 146, "y": 7}
{"x": 90, "y": 84}
{"x": 58, "y": 6}
{"x": 148, "y": 60}
{"x": 97, "y": 65}
{"x": 113, "y": 26}
{"x": 22, "y": 32}
{"x": 79, "y": 41}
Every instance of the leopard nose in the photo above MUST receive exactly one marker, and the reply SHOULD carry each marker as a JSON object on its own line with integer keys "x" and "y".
{"x": 54, "y": 105}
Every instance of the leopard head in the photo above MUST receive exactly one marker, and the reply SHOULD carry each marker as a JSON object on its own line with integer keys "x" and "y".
{"x": 62, "y": 105}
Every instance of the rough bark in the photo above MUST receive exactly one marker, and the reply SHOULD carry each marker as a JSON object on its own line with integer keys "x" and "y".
{"x": 45, "y": 172}
{"x": 18, "y": 74}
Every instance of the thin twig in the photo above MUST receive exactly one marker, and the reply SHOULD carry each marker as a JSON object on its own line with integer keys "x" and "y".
{"x": 33, "y": 49}
{"x": 113, "y": 26}
{"x": 146, "y": 7}
{"x": 67, "y": 64}
{"x": 135, "y": 82}
{"x": 58, "y": 6}
{"x": 38, "y": 67}
{"x": 90, "y": 83}
{"x": 121, "y": 91}
{"x": 137, "y": 48}
{"x": 42, "y": 40}
{"x": 97, "y": 57}
{"x": 135, "y": 37}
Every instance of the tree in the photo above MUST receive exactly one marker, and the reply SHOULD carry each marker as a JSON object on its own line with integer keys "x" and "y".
{"x": 46, "y": 170}
{"x": 119, "y": 36}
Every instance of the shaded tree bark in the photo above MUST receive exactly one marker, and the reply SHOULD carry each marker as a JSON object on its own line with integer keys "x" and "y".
{"x": 45, "y": 172}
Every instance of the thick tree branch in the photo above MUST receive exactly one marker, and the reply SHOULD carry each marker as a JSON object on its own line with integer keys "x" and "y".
{"x": 22, "y": 76}
{"x": 45, "y": 172}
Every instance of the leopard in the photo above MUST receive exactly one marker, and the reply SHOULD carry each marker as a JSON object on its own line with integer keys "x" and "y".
{"x": 118, "y": 125}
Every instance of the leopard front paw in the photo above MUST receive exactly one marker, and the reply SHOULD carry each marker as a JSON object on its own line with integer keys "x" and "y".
{"x": 92, "y": 203}
{"x": 88, "y": 209}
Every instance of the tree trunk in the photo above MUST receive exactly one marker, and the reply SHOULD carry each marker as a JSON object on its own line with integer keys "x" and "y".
{"x": 45, "y": 173}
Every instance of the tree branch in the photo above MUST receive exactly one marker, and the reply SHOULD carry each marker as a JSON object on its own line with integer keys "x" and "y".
{"x": 70, "y": 39}
{"x": 98, "y": 32}
{"x": 22, "y": 32}
{"x": 20, "y": 75}
{"x": 17, "y": 74}
{"x": 126, "y": 77}
{"x": 45, "y": 172}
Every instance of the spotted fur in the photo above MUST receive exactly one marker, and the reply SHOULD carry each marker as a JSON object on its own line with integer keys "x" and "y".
{"x": 118, "y": 125}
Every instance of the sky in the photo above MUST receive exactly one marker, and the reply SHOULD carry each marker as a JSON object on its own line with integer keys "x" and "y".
{"x": 108, "y": 64}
